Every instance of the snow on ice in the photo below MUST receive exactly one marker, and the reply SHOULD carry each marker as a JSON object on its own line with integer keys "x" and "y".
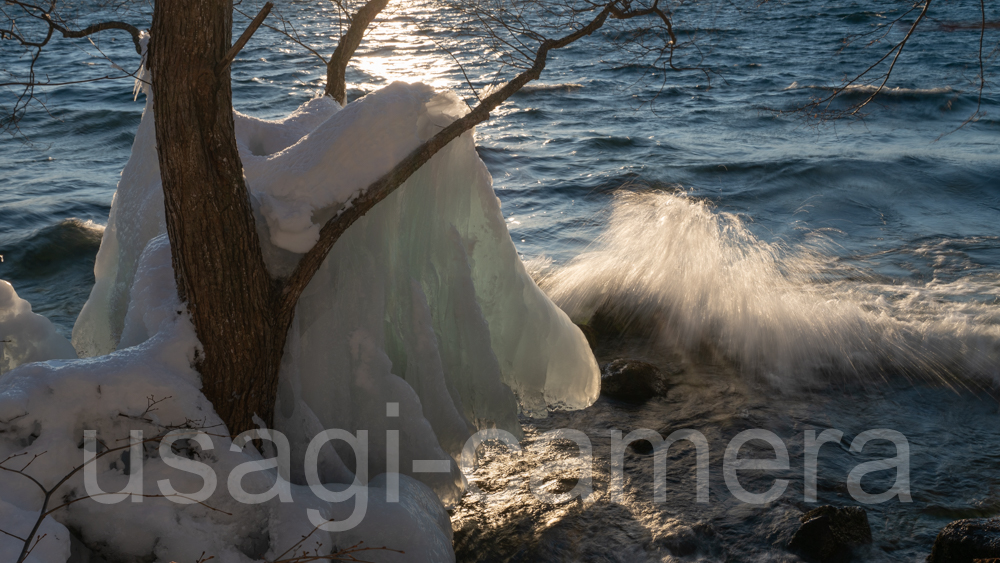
{"x": 423, "y": 303}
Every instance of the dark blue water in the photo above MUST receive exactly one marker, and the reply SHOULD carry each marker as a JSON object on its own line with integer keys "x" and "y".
{"x": 598, "y": 122}
{"x": 906, "y": 200}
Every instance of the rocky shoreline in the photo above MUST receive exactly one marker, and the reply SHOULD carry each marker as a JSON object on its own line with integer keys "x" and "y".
{"x": 643, "y": 387}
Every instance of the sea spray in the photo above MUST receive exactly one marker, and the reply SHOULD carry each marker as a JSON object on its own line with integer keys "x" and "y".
{"x": 700, "y": 281}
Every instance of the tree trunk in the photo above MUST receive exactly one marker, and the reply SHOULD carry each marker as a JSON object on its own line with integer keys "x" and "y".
{"x": 217, "y": 260}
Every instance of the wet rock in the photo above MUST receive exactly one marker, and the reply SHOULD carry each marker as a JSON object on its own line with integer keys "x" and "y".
{"x": 632, "y": 381}
{"x": 689, "y": 540}
{"x": 965, "y": 541}
{"x": 590, "y": 333}
{"x": 642, "y": 447}
{"x": 829, "y": 534}
{"x": 560, "y": 485}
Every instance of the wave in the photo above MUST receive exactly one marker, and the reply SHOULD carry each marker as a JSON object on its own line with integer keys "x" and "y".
{"x": 53, "y": 268}
{"x": 49, "y": 249}
{"x": 868, "y": 89}
{"x": 612, "y": 142}
{"x": 701, "y": 282}
{"x": 536, "y": 88}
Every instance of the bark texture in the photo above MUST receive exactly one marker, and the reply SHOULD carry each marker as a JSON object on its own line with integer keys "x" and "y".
{"x": 217, "y": 260}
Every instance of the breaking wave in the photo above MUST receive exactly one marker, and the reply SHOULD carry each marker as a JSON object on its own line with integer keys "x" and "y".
{"x": 701, "y": 282}
{"x": 53, "y": 268}
{"x": 49, "y": 249}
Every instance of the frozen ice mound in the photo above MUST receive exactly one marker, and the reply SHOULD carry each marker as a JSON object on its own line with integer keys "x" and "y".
{"x": 25, "y": 336}
{"x": 422, "y": 308}
{"x": 443, "y": 230}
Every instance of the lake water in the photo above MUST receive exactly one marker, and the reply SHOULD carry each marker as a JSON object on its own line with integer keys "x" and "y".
{"x": 803, "y": 275}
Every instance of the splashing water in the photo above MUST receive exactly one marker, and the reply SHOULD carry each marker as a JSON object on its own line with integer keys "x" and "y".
{"x": 701, "y": 281}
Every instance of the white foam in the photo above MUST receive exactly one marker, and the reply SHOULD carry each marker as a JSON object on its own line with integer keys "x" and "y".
{"x": 701, "y": 280}
{"x": 871, "y": 88}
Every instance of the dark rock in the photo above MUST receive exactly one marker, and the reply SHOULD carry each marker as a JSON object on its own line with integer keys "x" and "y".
{"x": 689, "y": 540}
{"x": 965, "y": 541}
{"x": 612, "y": 324}
{"x": 608, "y": 326}
{"x": 685, "y": 541}
{"x": 642, "y": 447}
{"x": 590, "y": 333}
{"x": 632, "y": 380}
{"x": 829, "y": 533}
{"x": 681, "y": 544}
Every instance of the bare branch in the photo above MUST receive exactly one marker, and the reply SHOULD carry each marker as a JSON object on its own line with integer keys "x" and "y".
{"x": 45, "y": 15}
{"x": 899, "y": 50}
{"x": 336, "y": 68}
{"x": 821, "y": 107}
{"x": 242, "y": 41}
{"x": 289, "y": 31}
{"x": 461, "y": 67}
{"x": 103, "y": 26}
{"x": 6, "y": 533}
{"x": 174, "y": 495}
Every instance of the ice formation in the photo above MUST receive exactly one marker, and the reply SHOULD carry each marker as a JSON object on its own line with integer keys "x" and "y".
{"x": 45, "y": 407}
{"x": 423, "y": 308}
{"x": 25, "y": 336}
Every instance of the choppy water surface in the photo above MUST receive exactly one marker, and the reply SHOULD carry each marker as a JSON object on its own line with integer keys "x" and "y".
{"x": 953, "y": 465}
{"x": 805, "y": 276}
